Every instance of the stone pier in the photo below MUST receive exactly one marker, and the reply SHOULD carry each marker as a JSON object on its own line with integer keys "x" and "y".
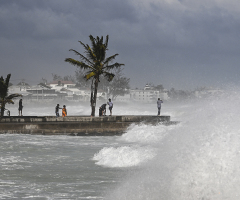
{"x": 76, "y": 125}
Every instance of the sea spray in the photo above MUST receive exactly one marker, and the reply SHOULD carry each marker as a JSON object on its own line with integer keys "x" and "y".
{"x": 124, "y": 156}
{"x": 145, "y": 133}
{"x": 198, "y": 160}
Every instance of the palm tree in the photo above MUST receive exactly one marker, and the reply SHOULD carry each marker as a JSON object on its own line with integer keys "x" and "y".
{"x": 95, "y": 64}
{"x": 4, "y": 97}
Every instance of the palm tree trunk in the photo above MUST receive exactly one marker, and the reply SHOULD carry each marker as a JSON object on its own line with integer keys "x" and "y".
{"x": 2, "y": 110}
{"x": 94, "y": 97}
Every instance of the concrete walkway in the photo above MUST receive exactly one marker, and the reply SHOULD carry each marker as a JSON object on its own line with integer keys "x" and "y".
{"x": 76, "y": 125}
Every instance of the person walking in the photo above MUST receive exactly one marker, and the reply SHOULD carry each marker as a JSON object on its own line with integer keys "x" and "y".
{"x": 159, "y": 102}
{"x": 110, "y": 104}
{"x": 57, "y": 110}
{"x": 20, "y": 107}
{"x": 64, "y": 111}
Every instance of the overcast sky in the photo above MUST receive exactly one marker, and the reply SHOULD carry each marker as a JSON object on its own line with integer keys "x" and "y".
{"x": 181, "y": 44}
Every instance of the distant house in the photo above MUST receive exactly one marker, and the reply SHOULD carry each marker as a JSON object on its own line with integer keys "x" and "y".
{"x": 23, "y": 86}
{"x": 58, "y": 85}
{"x": 42, "y": 93}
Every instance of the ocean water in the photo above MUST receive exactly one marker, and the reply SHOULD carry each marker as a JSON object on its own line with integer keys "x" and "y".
{"x": 199, "y": 158}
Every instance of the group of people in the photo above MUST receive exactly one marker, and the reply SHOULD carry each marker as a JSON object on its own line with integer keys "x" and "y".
{"x": 64, "y": 111}
{"x": 57, "y": 108}
{"x": 102, "y": 108}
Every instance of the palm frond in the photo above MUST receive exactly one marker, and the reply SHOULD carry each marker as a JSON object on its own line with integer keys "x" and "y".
{"x": 82, "y": 65}
{"x": 109, "y": 76}
{"x": 91, "y": 54}
{"x": 9, "y": 101}
{"x": 88, "y": 51}
{"x": 110, "y": 59}
{"x": 93, "y": 41}
{"x": 84, "y": 45}
{"x": 115, "y": 65}
{"x": 12, "y": 96}
{"x": 90, "y": 75}
{"x": 106, "y": 42}
{"x": 82, "y": 56}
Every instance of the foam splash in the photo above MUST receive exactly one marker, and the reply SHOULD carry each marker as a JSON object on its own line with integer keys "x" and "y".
{"x": 198, "y": 160}
{"x": 124, "y": 156}
{"x": 146, "y": 134}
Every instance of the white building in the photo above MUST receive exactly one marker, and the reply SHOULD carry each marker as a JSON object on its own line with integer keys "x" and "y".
{"x": 40, "y": 93}
{"x": 148, "y": 94}
{"x": 58, "y": 85}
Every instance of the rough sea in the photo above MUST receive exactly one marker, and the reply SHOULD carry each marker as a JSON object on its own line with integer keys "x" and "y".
{"x": 199, "y": 158}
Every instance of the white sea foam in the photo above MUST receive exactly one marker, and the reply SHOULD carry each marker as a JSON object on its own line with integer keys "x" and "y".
{"x": 124, "y": 156}
{"x": 198, "y": 160}
{"x": 145, "y": 133}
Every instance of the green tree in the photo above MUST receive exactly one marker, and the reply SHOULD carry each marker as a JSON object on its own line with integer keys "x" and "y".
{"x": 95, "y": 64}
{"x": 4, "y": 97}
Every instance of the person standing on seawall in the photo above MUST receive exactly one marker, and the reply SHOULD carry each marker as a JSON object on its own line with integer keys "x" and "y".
{"x": 102, "y": 110}
{"x": 20, "y": 107}
{"x": 64, "y": 111}
{"x": 110, "y": 103}
{"x": 159, "y": 102}
{"x": 57, "y": 110}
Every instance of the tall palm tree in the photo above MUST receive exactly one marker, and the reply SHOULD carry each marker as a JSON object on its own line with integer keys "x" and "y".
{"x": 4, "y": 97}
{"x": 95, "y": 64}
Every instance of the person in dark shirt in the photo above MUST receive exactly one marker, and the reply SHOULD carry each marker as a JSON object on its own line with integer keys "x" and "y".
{"x": 102, "y": 110}
{"x": 159, "y": 102}
{"x": 57, "y": 110}
{"x": 20, "y": 107}
{"x": 110, "y": 104}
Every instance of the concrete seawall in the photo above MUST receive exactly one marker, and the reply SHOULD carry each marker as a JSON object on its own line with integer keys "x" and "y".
{"x": 76, "y": 125}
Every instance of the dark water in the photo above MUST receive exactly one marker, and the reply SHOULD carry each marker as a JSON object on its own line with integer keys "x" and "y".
{"x": 54, "y": 167}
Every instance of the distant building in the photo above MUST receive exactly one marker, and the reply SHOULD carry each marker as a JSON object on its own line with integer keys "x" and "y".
{"x": 23, "y": 86}
{"x": 148, "y": 94}
{"x": 58, "y": 85}
{"x": 41, "y": 93}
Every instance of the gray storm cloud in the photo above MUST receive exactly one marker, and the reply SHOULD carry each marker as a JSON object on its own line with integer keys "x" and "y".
{"x": 181, "y": 44}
